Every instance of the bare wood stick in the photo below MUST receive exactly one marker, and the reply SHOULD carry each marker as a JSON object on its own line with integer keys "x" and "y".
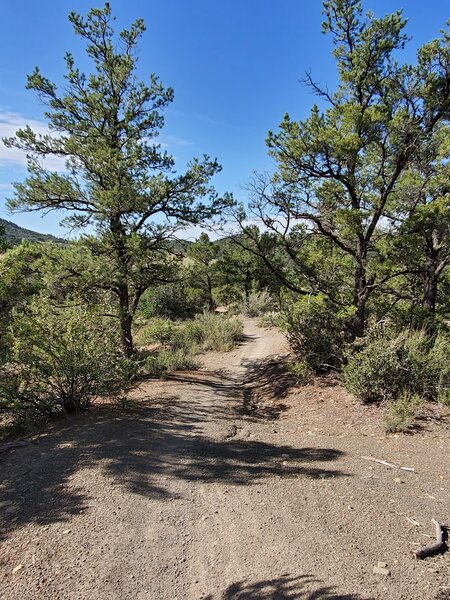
{"x": 388, "y": 464}
{"x": 433, "y": 548}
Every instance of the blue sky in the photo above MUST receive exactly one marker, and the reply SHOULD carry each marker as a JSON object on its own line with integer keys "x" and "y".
{"x": 234, "y": 65}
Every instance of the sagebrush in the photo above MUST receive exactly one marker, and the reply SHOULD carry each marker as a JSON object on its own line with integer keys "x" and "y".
{"x": 61, "y": 359}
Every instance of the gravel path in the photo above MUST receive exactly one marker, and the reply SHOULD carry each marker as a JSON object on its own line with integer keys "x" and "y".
{"x": 224, "y": 484}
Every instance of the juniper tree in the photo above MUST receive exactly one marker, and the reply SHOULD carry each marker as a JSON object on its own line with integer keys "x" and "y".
{"x": 117, "y": 178}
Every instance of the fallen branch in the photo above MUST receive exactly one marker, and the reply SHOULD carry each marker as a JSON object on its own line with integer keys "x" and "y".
{"x": 438, "y": 546}
{"x": 388, "y": 464}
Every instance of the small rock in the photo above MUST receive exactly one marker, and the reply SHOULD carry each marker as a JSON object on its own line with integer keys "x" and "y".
{"x": 379, "y": 570}
{"x": 66, "y": 531}
{"x": 16, "y": 569}
{"x": 398, "y": 480}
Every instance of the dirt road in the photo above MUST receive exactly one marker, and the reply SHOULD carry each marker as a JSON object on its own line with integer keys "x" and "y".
{"x": 220, "y": 485}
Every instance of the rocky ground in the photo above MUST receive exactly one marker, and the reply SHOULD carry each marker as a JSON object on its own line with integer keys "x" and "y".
{"x": 225, "y": 484}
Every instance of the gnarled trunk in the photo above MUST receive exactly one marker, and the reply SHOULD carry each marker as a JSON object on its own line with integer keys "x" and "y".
{"x": 360, "y": 297}
{"x": 126, "y": 321}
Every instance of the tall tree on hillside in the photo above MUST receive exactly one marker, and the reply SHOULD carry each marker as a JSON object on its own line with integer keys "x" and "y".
{"x": 117, "y": 178}
{"x": 340, "y": 168}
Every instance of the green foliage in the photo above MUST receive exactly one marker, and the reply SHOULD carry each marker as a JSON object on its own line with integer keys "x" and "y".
{"x": 364, "y": 168}
{"x": 239, "y": 270}
{"x": 202, "y": 269}
{"x": 118, "y": 179}
{"x": 256, "y": 303}
{"x": 301, "y": 371}
{"x": 389, "y": 363}
{"x": 12, "y": 235}
{"x": 3, "y": 240}
{"x": 171, "y": 359}
{"x": 403, "y": 411}
{"x": 171, "y": 301}
{"x": 317, "y": 333}
{"x": 212, "y": 331}
{"x": 181, "y": 341}
{"x": 61, "y": 360}
{"x": 21, "y": 278}
{"x": 271, "y": 319}
{"x": 159, "y": 330}
{"x": 439, "y": 364}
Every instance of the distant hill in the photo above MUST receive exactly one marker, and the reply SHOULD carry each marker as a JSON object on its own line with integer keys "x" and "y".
{"x": 15, "y": 234}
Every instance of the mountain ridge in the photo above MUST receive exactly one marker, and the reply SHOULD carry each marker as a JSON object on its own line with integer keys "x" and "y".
{"x": 14, "y": 234}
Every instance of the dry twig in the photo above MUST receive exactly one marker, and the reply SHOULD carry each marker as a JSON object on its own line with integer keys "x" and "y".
{"x": 388, "y": 464}
{"x": 438, "y": 546}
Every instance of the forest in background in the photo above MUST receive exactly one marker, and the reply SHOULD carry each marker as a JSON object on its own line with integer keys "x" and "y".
{"x": 345, "y": 246}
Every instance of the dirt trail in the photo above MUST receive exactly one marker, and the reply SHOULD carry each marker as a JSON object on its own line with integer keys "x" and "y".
{"x": 220, "y": 485}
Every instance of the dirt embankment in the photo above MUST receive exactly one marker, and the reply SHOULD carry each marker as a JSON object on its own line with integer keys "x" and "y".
{"x": 224, "y": 484}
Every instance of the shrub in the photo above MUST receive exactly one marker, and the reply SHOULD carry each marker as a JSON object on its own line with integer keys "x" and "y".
{"x": 439, "y": 362}
{"x": 171, "y": 301}
{"x": 159, "y": 330}
{"x": 390, "y": 363}
{"x": 212, "y": 331}
{"x": 183, "y": 341}
{"x": 171, "y": 359}
{"x": 256, "y": 303}
{"x": 402, "y": 412}
{"x": 271, "y": 319}
{"x": 60, "y": 361}
{"x": 301, "y": 371}
{"x": 317, "y": 333}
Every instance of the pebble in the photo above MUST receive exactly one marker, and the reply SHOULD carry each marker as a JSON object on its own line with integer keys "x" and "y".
{"x": 380, "y": 569}
{"x": 16, "y": 569}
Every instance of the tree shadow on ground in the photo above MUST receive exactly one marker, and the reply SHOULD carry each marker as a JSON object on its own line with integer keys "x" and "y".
{"x": 260, "y": 390}
{"x": 143, "y": 450}
{"x": 267, "y": 382}
{"x": 286, "y": 587}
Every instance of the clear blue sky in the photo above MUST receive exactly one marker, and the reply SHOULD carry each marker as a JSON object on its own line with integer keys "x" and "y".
{"x": 235, "y": 67}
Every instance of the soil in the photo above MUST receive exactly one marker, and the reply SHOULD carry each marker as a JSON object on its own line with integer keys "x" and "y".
{"x": 227, "y": 483}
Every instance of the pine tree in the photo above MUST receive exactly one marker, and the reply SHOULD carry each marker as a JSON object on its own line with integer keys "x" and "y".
{"x": 117, "y": 180}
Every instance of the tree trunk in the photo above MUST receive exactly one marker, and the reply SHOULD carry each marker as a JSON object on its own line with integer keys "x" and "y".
{"x": 430, "y": 292}
{"x": 359, "y": 324}
{"x": 212, "y": 304}
{"x": 360, "y": 301}
{"x": 126, "y": 321}
{"x": 430, "y": 288}
{"x": 247, "y": 285}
